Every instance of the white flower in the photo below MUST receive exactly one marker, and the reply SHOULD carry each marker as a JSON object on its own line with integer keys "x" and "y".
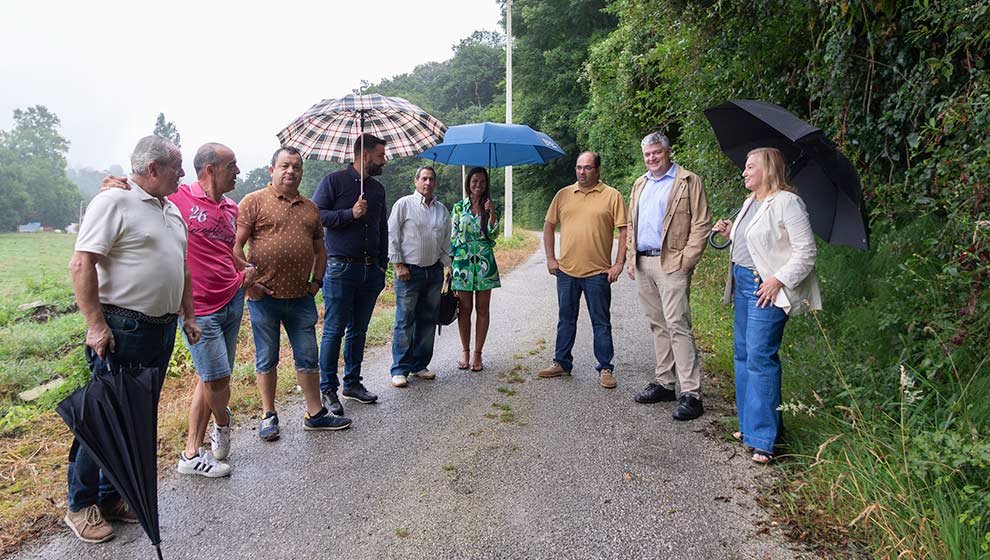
{"x": 907, "y": 384}
{"x": 797, "y": 407}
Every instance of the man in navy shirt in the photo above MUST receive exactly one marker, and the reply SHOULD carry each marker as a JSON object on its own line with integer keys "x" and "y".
{"x": 357, "y": 254}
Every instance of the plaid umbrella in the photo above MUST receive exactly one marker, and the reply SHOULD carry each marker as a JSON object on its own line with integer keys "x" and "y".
{"x": 328, "y": 129}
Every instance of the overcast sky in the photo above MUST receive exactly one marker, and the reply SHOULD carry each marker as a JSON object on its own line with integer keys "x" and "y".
{"x": 225, "y": 71}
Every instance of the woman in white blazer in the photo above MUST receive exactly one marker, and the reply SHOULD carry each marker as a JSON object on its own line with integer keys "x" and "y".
{"x": 772, "y": 277}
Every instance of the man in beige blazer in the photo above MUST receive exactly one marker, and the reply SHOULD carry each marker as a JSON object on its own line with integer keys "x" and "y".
{"x": 669, "y": 225}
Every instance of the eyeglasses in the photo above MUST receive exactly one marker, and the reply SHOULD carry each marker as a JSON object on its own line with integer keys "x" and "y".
{"x": 586, "y": 167}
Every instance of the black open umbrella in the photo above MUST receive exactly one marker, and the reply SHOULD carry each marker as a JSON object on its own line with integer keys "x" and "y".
{"x": 115, "y": 416}
{"x": 826, "y": 179}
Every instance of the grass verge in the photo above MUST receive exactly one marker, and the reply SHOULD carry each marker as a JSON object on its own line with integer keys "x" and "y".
{"x": 881, "y": 459}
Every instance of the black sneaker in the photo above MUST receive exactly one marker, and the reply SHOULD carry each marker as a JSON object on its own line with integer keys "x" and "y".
{"x": 360, "y": 394}
{"x": 325, "y": 421}
{"x": 689, "y": 408}
{"x": 331, "y": 402}
{"x": 654, "y": 393}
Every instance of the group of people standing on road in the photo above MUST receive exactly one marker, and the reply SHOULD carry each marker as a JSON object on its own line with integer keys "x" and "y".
{"x": 662, "y": 236}
{"x": 152, "y": 253}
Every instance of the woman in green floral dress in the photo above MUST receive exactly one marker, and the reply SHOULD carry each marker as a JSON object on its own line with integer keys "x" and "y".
{"x": 472, "y": 243}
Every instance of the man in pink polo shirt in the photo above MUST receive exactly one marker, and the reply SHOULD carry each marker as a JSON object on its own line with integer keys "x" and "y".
{"x": 218, "y": 283}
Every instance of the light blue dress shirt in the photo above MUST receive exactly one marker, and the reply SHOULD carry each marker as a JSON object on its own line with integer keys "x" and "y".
{"x": 652, "y": 208}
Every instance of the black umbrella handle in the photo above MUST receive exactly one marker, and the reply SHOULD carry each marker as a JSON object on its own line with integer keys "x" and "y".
{"x": 712, "y": 234}
{"x": 717, "y": 245}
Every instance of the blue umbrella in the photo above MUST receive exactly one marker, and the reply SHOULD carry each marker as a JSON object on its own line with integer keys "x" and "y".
{"x": 493, "y": 145}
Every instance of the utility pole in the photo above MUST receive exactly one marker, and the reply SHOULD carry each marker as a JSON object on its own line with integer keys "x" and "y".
{"x": 508, "y": 112}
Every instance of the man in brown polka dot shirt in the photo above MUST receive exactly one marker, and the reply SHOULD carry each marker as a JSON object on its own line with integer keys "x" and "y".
{"x": 285, "y": 239}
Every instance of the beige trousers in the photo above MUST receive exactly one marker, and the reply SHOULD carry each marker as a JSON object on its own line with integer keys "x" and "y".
{"x": 666, "y": 302}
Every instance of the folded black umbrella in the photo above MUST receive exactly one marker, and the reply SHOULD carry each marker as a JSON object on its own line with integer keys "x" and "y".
{"x": 115, "y": 415}
{"x": 826, "y": 179}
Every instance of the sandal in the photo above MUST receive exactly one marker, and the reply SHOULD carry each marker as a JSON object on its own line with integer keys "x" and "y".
{"x": 737, "y": 436}
{"x": 463, "y": 362}
{"x": 477, "y": 365}
{"x": 762, "y": 457}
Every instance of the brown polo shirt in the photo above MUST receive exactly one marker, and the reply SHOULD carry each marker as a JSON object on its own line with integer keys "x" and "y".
{"x": 281, "y": 244}
{"x": 587, "y": 221}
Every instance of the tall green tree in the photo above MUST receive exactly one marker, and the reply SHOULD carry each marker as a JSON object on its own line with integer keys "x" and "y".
{"x": 167, "y": 130}
{"x": 33, "y": 181}
{"x": 552, "y": 41}
{"x": 35, "y": 136}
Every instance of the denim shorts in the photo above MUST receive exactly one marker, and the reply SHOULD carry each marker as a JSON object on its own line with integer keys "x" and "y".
{"x": 298, "y": 316}
{"x": 213, "y": 355}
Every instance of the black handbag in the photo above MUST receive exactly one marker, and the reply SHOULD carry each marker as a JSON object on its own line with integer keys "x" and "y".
{"x": 447, "y": 313}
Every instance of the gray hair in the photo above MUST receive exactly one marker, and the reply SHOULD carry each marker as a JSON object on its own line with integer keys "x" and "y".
{"x": 423, "y": 168}
{"x": 152, "y": 149}
{"x": 655, "y": 138}
{"x": 207, "y": 154}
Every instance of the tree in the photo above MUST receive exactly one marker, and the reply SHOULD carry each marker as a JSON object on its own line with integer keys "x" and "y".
{"x": 552, "y": 41}
{"x": 33, "y": 182}
{"x": 13, "y": 194}
{"x": 255, "y": 180}
{"x": 167, "y": 130}
{"x": 35, "y": 135}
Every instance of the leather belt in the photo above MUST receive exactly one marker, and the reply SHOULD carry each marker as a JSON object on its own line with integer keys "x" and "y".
{"x": 137, "y": 315}
{"x": 367, "y": 261}
{"x": 650, "y": 253}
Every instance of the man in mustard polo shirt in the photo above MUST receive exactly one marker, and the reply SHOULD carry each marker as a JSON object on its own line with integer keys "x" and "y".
{"x": 588, "y": 213}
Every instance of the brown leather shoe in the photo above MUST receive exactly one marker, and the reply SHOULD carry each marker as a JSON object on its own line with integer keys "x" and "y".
{"x": 117, "y": 510}
{"x": 554, "y": 370}
{"x": 89, "y": 525}
{"x": 606, "y": 379}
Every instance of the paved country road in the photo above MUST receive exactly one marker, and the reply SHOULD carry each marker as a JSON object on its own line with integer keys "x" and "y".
{"x": 564, "y": 470}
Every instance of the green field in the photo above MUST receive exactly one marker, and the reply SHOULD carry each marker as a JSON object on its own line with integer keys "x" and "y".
{"x": 42, "y": 343}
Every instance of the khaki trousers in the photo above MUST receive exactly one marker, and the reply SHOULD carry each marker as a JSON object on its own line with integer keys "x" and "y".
{"x": 666, "y": 302}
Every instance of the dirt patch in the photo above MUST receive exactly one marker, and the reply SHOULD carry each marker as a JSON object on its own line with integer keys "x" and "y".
{"x": 46, "y": 313}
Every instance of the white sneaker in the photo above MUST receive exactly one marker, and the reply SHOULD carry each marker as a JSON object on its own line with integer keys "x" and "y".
{"x": 424, "y": 373}
{"x": 220, "y": 438}
{"x": 220, "y": 442}
{"x": 203, "y": 464}
{"x": 399, "y": 381}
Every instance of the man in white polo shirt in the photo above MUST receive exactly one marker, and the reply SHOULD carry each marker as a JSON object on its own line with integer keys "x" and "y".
{"x": 130, "y": 280}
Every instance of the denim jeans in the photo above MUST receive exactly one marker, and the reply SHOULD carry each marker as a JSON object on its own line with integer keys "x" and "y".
{"x": 213, "y": 355}
{"x": 757, "y": 336}
{"x": 298, "y": 316}
{"x": 135, "y": 343}
{"x": 417, "y": 301}
{"x": 349, "y": 294}
{"x": 598, "y": 296}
